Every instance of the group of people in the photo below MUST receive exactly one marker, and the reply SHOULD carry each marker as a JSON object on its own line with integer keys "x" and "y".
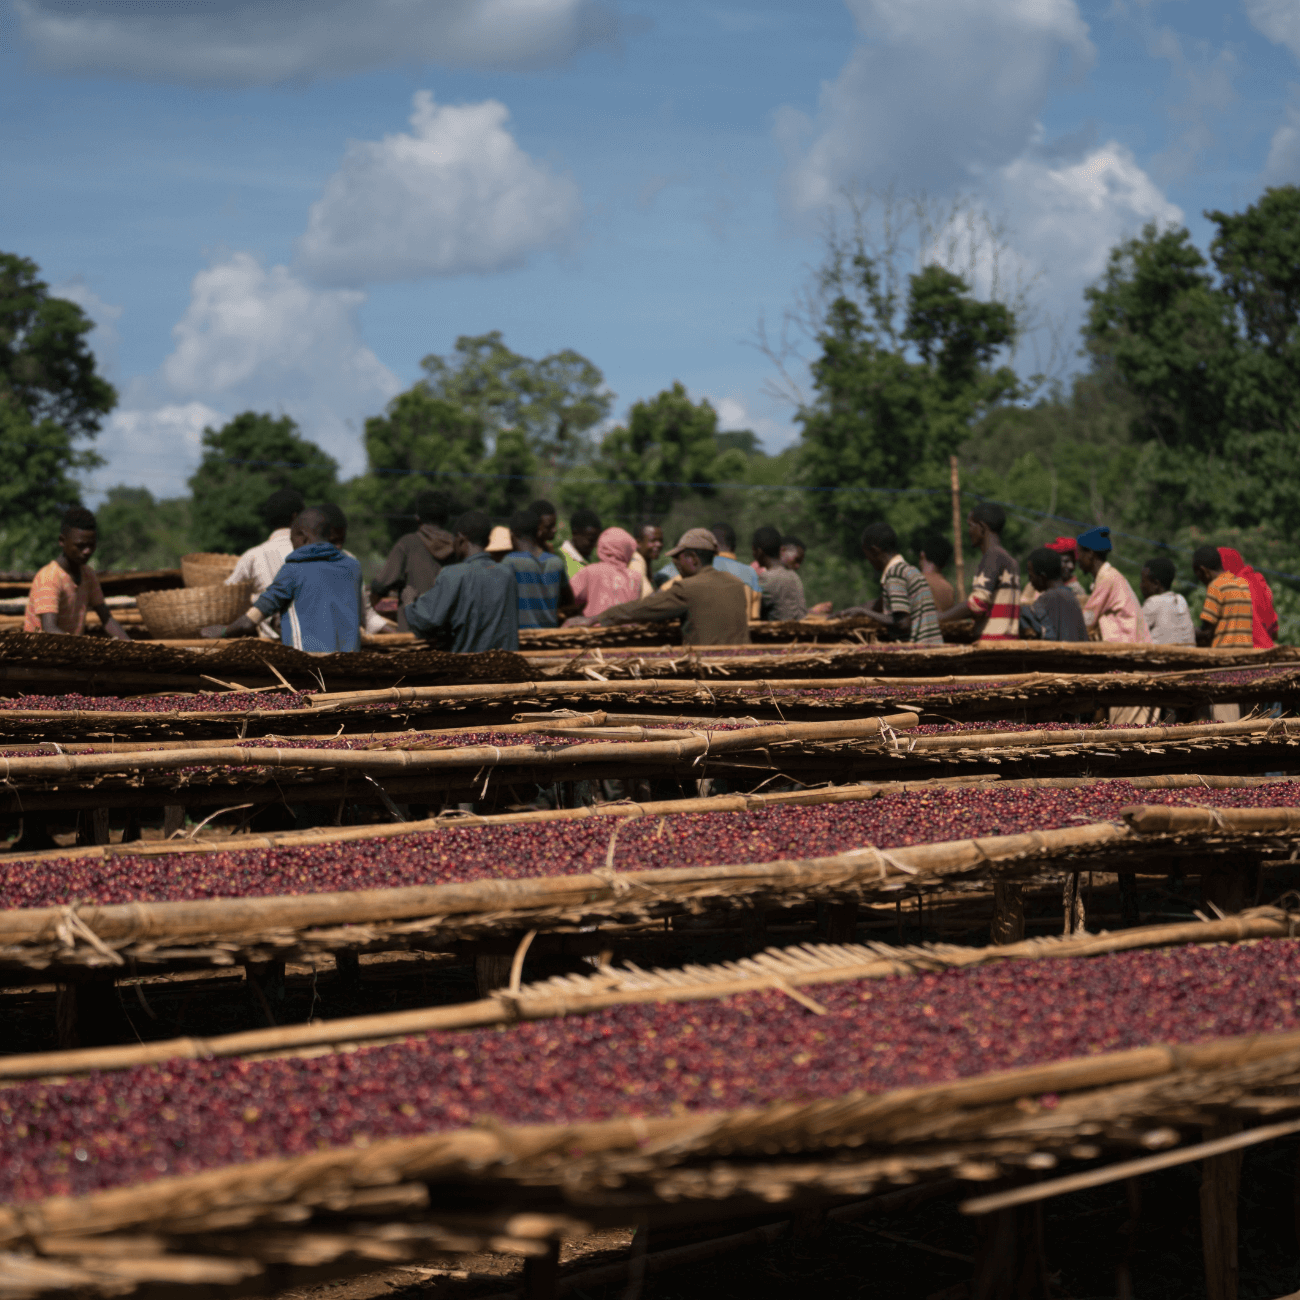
{"x": 472, "y": 584}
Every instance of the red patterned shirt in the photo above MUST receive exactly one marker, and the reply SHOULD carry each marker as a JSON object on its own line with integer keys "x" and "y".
{"x": 995, "y": 596}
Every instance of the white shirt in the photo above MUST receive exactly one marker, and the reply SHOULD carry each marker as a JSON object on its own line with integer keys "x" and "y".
{"x": 259, "y": 565}
{"x": 1169, "y": 619}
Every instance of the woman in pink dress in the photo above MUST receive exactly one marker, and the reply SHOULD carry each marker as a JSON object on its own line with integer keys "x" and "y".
{"x": 609, "y": 582}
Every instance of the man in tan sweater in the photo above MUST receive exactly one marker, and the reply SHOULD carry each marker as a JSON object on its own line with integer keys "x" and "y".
{"x": 711, "y": 604}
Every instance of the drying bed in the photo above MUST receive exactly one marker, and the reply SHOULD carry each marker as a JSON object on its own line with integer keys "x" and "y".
{"x": 555, "y": 848}
{"x": 647, "y": 1060}
{"x": 201, "y": 702}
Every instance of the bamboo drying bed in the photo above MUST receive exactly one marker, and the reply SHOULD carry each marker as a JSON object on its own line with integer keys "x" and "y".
{"x": 808, "y": 752}
{"x": 514, "y": 1187}
{"x": 227, "y": 931}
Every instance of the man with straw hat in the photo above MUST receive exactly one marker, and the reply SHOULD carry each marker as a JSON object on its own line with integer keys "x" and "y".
{"x": 710, "y": 603}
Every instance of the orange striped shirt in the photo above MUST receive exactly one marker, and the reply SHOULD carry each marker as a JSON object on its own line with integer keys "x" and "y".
{"x": 1228, "y": 607}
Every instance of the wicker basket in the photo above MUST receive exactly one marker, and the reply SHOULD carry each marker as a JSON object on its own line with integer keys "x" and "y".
{"x": 207, "y": 568}
{"x": 177, "y": 615}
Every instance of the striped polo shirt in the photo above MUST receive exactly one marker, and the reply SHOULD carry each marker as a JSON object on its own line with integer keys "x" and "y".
{"x": 906, "y": 591}
{"x": 995, "y": 596}
{"x": 1228, "y": 607}
{"x": 538, "y": 579}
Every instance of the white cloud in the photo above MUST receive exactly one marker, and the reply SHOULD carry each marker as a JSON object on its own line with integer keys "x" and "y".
{"x": 932, "y": 89}
{"x": 1279, "y": 20}
{"x": 104, "y": 339}
{"x": 254, "y": 338}
{"x": 157, "y": 448}
{"x": 734, "y": 413}
{"x": 248, "y": 42}
{"x": 455, "y": 195}
{"x": 1283, "y": 165}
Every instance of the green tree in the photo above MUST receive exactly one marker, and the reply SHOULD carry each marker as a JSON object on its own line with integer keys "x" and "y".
{"x": 243, "y": 463}
{"x": 46, "y": 368}
{"x": 137, "y": 531}
{"x": 52, "y": 402}
{"x": 553, "y": 402}
{"x": 422, "y": 441}
{"x": 667, "y": 450}
{"x": 898, "y": 387}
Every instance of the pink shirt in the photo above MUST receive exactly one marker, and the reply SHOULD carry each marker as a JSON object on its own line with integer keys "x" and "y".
{"x": 1114, "y": 608}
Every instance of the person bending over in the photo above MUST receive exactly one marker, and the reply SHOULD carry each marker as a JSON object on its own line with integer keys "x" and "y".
{"x": 67, "y": 587}
{"x": 418, "y": 557}
{"x": 994, "y": 600}
{"x": 1055, "y": 614}
{"x": 1168, "y": 619}
{"x": 783, "y": 596}
{"x": 317, "y": 593}
{"x": 474, "y": 603}
{"x": 711, "y": 604}
{"x": 908, "y": 606}
{"x": 259, "y": 564}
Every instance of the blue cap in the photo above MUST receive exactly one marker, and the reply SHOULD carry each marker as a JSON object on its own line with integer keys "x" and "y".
{"x": 1095, "y": 539}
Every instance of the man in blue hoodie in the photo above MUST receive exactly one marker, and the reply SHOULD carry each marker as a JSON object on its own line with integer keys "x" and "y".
{"x": 317, "y": 593}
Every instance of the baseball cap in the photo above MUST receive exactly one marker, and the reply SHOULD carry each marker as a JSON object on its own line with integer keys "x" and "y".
{"x": 696, "y": 539}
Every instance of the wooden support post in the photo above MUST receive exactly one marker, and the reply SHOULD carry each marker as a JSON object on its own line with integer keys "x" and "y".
{"x": 266, "y": 980}
{"x": 173, "y": 820}
{"x": 347, "y": 966}
{"x": 542, "y": 1274}
{"x": 959, "y": 563}
{"x": 492, "y": 971}
{"x": 1008, "y": 912}
{"x": 1010, "y": 1263}
{"x": 1220, "y": 1185}
{"x": 99, "y": 828}
{"x": 1072, "y": 904}
{"x": 1128, "y": 898}
{"x": 841, "y": 924}
{"x": 87, "y": 1013}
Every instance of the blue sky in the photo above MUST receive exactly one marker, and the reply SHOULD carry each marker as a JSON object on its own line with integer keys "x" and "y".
{"x": 285, "y": 207}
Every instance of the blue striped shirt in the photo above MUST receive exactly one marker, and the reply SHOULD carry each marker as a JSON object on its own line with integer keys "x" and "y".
{"x": 538, "y": 579}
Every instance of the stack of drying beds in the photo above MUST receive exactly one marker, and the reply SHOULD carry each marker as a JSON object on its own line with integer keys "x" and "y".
{"x": 808, "y": 1077}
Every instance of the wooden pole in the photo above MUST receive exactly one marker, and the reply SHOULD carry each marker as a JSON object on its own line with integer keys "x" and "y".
{"x": 958, "y": 560}
{"x": 1220, "y": 1185}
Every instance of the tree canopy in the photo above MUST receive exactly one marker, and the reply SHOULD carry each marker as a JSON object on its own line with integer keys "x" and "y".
{"x": 245, "y": 461}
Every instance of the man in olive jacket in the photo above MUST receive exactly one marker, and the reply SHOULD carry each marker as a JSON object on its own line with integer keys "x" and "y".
{"x": 710, "y": 603}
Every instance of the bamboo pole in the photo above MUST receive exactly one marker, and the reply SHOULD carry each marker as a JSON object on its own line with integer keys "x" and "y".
{"x": 226, "y": 916}
{"x": 959, "y": 563}
{"x": 1157, "y": 820}
{"x": 690, "y": 744}
{"x": 805, "y": 965}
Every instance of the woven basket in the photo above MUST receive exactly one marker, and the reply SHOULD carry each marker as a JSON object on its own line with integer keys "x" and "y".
{"x": 207, "y": 568}
{"x": 177, "y": 615}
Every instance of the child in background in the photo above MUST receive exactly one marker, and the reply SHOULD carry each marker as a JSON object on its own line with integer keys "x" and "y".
{"x": 67, "y": 587}
{"x": 1165, "y": 611}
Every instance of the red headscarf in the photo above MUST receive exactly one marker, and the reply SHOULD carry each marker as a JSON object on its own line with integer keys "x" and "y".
{"x": 1065, "y": 545}
{"x": 1264, "y": 616}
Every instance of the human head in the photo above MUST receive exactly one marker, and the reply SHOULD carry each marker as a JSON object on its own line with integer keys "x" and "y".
{"x": 694, "y": 551}
{"x": 725, "y": 536}
{"x": 1207, "y": 563}
{"x": 472, "y": 530}
{"x": 766, "y": 544}
{"x": 934, "y": 548}
{"x": 547, "y": 520}
{"x": 1067, "y": 548}
{"x": 311, "y": 525}
{"x": 879, "y": 545}
{"x": 616, "y": 546}
{"x": 650, "y": 541}
{"x": 524, "y": 526}
{"x": 1094, "y": 548}
{"x": 986, "y": 520}
{"x": 584, "y": 529}
{"x": 1044, "y": 567}
{"x": 78, "y": 535}
{"x": 281, "y": 508}
{"x": 792, "y": 551}
{"x": 433, "y": 508}
{"x": 1157, "y": 576}
{"x": 338, "y": 522}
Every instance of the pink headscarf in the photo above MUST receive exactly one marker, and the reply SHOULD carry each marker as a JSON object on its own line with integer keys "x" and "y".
{"x": 1263, "y": 615}
{"x": 616, "y": 546}
{"x": 609, "y": 582}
